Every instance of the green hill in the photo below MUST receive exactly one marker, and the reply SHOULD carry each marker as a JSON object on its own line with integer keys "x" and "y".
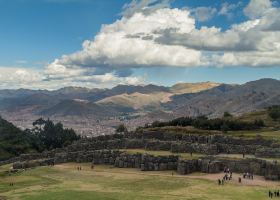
{"x": 14, "y": 141}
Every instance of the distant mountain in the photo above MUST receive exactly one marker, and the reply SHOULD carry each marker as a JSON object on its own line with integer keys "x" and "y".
{"x": 34, "y": 102}
{"x": 182, "y": 88}
{"x": 84, "y": 108}
{"x": 74, "y": 107}
{"x": 236, "y": 99}
{"x": 137, "y": 100}
{"x": 206, "y": 98}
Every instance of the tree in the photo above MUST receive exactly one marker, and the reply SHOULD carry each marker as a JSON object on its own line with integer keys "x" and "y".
{"x": 224, "y": 127}
{"x": 53, "y": 135}
{"x": 274, "y": 112}
{"x": 227, "y": 114}
{"x": 39, "y": 122}
{"x": 121, "y": 129}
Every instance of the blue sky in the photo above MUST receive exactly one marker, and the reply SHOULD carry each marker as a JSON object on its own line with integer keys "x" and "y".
{"x": 35, "y": 33}
{"x": 40, "y": 30}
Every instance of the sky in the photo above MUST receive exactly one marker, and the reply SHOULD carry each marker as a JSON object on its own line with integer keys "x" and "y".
{"x": 49, "y": 44}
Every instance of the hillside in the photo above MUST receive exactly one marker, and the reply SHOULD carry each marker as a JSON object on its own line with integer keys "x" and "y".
{"x": 236, "y": 99}
{"x": 84, "y": 108}
{"x": 182, "y": 88}
{"x": 137, "y": 105}
{"x": 138, "y": 100}
{"x": 14, "y": 141}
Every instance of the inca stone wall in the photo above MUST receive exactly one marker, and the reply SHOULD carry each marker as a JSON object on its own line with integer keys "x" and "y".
{"x": 147, "y": 162}
{"x": 92, "y": 150}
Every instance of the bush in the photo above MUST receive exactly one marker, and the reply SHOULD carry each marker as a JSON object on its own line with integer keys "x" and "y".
{"x": 203, "y": 122}
{"x": 274, "y": 112}
{"x": 121, "y": 129}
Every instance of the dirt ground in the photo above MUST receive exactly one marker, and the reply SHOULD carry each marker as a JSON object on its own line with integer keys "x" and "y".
{"x": 257, "y": 181}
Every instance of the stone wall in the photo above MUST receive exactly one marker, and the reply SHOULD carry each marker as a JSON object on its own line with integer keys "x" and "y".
{"x": 268, "y": 152}
{"x": 117, "y": 158}
{"x": 147, "y": 162}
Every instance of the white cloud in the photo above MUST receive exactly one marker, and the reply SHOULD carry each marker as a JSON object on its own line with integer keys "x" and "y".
{"x": 16, "y": 77}
{"x": 151, "y": 34}
{"x": 125, "y": 44}
{"x": 144, "y": 6}
{"x": 257, "y": 8}
{"x": 227, "y": 9}
{"x": 203, "y": 14}
{"x": 253, "y": 43}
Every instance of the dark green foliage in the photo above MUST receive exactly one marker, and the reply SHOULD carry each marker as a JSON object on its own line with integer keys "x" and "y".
{"x": 227, "y": 114}
{"x": 274, "y": 112}
{"x": 44, "y": 135}
{"x": 203, "y": 122}
{"x": 53, "y": 135}
{"x": 121, "y": 129}
{"x": 14, "y": 141}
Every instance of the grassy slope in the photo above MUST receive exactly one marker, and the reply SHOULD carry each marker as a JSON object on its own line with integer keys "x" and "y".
{"x": 271, "y": 131}
{"x": 65, "y": 182}
{"x": 13, "y": 141}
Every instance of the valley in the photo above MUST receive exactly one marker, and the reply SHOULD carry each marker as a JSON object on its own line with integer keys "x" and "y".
{"x": 93, "y": 112}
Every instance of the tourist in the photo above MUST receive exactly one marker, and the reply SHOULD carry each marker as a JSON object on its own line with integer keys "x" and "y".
{"x": 239, "y": 179}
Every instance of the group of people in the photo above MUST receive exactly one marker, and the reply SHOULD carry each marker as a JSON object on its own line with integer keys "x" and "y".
{"x": 226, "y": 177}
{"x": 275, "y": 194}
{"x": 248, "y": 175}
{"x": 79, "y": 168}
{"x": 11, "y": 184}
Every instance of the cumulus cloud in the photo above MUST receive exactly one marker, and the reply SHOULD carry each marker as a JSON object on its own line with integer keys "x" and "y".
{"x": 129, "y": 43}
{"x": 152, "y": 34}
{"x": 203, "y": 14}
{"x": 254, "y": 42}
{"x": 257, "y": 8}
{"x": 227, "y": 9}
{"x": 18, "y": 77}
{"x": 144, "y": 6}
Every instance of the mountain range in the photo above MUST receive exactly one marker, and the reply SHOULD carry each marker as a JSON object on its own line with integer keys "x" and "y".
{"x": 182, "y": 99}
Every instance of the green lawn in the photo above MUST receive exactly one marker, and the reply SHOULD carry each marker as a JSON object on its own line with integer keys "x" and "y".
{"x": 267, "y": 134}
{"x": 106, "y": 183}
{"x": 185, "y": 156}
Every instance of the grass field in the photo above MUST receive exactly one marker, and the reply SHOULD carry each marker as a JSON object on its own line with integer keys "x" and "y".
{"x": 106, "y": 183}
{"x": 185, "y": 156}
